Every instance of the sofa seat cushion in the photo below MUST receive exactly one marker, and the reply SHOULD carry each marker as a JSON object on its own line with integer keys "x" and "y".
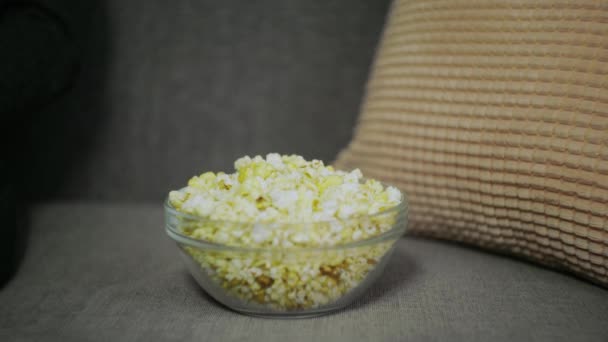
{"x": 100, "y": 272}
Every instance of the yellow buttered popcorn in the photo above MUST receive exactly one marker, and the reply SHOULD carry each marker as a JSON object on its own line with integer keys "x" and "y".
{"x": 287, "y": 190}
{"x": 281, "y": 204}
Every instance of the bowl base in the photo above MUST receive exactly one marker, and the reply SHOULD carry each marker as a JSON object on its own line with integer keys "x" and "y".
{"x": 287, "y": 315}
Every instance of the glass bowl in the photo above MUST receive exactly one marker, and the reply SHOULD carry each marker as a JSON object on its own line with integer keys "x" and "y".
{"x": 287, "y": 282}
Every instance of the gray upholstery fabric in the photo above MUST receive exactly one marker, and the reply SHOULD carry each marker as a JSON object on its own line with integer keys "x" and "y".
{"x": 172, "y": 88}
{"x": 100, "y": 272}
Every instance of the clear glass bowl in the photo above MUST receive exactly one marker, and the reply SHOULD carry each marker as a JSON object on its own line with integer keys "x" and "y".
{"x": 287, "y": 282}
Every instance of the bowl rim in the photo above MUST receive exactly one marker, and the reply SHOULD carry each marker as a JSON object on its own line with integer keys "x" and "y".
{"x": 401, "y": 210}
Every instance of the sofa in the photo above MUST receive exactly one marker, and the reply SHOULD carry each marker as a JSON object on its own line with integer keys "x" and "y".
{"x": 155, "y": 92}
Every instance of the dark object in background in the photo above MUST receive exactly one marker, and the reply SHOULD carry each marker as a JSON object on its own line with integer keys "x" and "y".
{"x": 36, "y": 64}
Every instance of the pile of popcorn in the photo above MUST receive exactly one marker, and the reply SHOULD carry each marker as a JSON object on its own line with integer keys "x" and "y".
{"x": 284, "y": 203}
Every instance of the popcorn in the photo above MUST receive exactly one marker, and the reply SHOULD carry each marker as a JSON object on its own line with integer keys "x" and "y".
{"x": 283, "y": 202}
{"x": 260, "y": 233}
{"x": 394, "y": 195}
{"x": 283, "y": 199}
{"x": 282, "y": 189}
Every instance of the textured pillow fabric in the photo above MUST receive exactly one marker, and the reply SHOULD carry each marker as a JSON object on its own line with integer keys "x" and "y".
{"x": 493, "y": 117}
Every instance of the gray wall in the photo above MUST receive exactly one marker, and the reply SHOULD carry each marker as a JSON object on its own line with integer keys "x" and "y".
{"x": 171, "y": 88}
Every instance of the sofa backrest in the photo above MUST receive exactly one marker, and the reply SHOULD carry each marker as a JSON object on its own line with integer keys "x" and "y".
{"x": 169, "y": 89}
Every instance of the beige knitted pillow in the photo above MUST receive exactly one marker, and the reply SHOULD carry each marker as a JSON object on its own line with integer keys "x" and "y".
{"x": 493, "y": 117}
